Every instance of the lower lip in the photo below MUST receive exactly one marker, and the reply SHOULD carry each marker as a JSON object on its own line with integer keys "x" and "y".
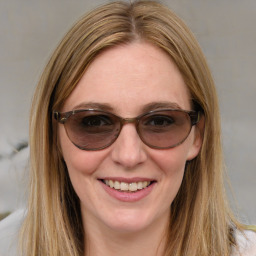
{"x": 128, "y": 196}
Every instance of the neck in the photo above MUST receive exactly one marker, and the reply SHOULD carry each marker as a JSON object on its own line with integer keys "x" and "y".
{"x": 102, "y": 240}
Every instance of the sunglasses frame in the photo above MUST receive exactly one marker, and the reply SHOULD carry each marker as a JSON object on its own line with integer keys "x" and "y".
{"x": 62, "y": 117}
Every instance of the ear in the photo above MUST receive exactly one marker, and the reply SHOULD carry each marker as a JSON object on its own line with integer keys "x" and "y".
{"x": 198, "y": 139}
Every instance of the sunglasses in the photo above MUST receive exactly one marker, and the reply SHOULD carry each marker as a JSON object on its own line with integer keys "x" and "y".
{"x": 90, "y": 129}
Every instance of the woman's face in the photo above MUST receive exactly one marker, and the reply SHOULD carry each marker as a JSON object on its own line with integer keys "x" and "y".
{"x": 124, "y": 80}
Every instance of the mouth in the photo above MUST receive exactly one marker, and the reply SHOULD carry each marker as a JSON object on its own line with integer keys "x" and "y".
{"x": 130, "y": 187}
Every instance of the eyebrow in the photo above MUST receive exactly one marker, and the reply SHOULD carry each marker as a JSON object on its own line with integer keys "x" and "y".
{"x": 146, "y": 108}
{"x": 160, "y": 105}
{"x": 94, "y": 105}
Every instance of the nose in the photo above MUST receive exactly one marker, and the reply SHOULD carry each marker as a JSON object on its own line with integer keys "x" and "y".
{"x": 128, "y": 150}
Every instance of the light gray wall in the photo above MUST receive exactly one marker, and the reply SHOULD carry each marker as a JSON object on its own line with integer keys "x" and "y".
{"x": 30, "y": 30}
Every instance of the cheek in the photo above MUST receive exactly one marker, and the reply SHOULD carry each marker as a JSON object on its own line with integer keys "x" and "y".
{"x": 77, "y": 160}
{"x": 171, "y": 161}
{"x": 82, "y": 166}
{"x": 173, "y": 165}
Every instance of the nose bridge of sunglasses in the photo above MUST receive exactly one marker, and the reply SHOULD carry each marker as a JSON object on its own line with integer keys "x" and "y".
{"x": 128, "y": 120}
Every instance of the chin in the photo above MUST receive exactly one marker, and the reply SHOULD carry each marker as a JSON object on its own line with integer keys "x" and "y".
{"x": 127, "y": 227}
{"x": 130, "y": 221}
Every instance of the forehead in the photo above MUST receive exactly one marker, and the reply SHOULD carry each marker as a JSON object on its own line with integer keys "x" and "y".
{"x": 128, "y": 77}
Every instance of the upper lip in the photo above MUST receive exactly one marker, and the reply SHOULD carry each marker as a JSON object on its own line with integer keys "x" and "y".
{"x": 127, "y": 180}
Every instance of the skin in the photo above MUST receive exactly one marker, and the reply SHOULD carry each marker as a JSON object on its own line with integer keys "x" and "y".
{"x": 125, "y": 79}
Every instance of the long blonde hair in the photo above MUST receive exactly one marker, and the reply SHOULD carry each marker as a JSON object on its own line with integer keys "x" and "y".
{"x": 200, "y": 221}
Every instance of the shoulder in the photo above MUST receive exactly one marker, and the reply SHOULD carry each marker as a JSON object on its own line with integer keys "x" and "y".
{"x": 9, "y": 231}
{"x": 246, "y": 243}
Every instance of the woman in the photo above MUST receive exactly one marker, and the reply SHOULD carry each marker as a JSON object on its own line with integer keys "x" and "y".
{"x": 125, "y": 143}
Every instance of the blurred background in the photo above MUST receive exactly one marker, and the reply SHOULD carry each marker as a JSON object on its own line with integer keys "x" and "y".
{"x": 29, "y": 32}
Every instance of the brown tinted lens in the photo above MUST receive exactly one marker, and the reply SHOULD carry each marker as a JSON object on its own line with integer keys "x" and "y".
{"x": 164, "y": 129}
{"x": 92, "y": 130}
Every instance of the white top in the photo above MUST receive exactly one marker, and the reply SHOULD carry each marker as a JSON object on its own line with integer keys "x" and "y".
{"x": 9, "y": 231}
{"x": 247, "y": 244}
{"x": 9, "y": 228}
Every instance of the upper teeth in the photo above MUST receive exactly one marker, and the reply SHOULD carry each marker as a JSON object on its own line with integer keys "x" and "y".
{"x": 124, "y": 186}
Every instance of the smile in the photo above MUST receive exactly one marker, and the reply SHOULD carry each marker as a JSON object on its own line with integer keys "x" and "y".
{"x": 127, "y": 187}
